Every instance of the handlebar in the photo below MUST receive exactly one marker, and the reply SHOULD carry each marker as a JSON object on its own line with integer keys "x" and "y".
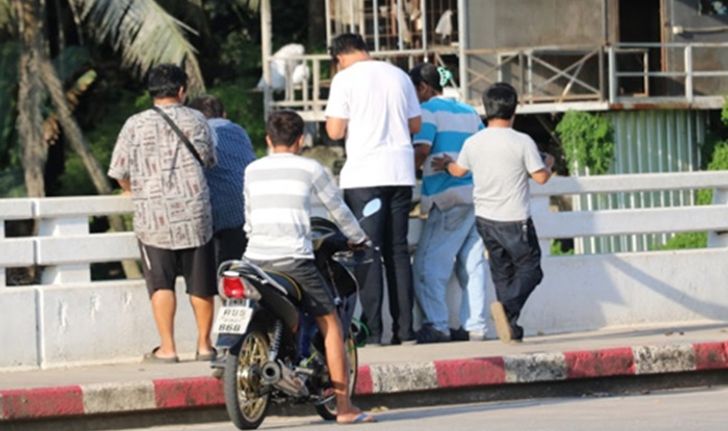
{"x": 351, "y": 258}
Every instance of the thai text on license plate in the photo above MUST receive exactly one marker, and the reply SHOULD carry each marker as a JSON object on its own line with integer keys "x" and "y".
{"x": 233, "y": 319}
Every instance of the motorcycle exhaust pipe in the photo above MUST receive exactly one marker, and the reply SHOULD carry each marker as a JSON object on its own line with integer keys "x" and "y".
{"x": 283, "y": 379}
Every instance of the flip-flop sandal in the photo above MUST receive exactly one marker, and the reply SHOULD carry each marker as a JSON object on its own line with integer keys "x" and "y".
{"x": 209, "y": 356}
{"x": 361, "y": 418}
{"x": 152, "y": 357}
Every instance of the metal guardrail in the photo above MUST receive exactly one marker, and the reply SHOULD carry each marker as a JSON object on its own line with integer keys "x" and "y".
{"x": 545, "y": 75}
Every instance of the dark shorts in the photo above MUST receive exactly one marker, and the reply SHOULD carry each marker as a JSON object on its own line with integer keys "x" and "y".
{"x": 197, "y": 266}
{"x": 317, "y": 299}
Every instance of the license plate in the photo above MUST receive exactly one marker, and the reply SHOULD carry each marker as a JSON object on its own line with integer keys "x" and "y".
{"x": 233, "y": 319}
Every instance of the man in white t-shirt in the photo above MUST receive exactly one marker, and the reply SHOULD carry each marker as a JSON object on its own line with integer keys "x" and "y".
{"x": 374, "y": 105}
{"x": 501, "y": 161}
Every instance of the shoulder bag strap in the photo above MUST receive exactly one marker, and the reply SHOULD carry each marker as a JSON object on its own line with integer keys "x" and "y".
{"x": 181, "y": 135}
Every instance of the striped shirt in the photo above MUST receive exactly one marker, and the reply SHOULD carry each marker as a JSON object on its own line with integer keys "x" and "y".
{"x": 446, "y": 124}
{"x": 225, "y": 180}
{"x": 278, "y": 193}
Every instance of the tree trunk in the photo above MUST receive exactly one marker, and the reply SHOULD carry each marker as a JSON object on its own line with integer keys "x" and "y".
{"x": 75, "y": 138}
{"x": 316, "y": 24}
{"x": 44, "y": 70}
{"x": 195, "y": 84}
{"x": 30, "y": 126}
{"x": 30, "y": 100}
{"x": 70, "y": 127}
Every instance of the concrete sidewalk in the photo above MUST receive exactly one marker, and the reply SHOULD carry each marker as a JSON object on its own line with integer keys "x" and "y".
{"x": 131, "y": 387}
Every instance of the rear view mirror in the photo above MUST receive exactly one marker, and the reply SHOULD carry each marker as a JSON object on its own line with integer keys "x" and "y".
{"x": 372, "y": 207}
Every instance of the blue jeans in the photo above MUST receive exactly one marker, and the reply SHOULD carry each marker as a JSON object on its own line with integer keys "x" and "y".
{"x": 450, "y": 241}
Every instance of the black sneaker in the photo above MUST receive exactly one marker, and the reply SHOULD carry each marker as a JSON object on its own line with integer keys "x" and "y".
{"x": 428, "y": 334}
{"x": 396, "y": 341}
{"x": 373, "y": 341}
{"x": 459, "y": 334}
{"x": 517, "y": 332}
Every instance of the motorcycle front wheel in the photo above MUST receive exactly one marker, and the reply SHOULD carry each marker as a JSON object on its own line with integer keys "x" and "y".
{"x": 327, "y": 410}
{"x": 241, "y": 381}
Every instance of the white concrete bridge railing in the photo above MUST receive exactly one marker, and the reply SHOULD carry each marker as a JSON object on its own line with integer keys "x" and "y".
{"x": 71, "y": 319}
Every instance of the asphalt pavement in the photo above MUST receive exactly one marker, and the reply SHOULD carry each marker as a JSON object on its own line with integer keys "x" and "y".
{"x": 694, "y": 410}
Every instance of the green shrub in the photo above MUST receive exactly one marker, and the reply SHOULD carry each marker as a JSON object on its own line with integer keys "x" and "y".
{"x": 557, "y": 249}
{"x": 587, "y": 140}
{"x": 685, "y": 240}
{"x": 245, "y": 107}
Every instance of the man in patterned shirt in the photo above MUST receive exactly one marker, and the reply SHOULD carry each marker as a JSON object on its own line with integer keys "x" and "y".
{"x": 172, "y": 217}
{"x": 234, "y": 153}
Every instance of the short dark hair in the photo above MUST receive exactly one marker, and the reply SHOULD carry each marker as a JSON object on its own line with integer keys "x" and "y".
{"x": 346, "y": 43}
{"x": 284, "y": 127}
{"x": 500, "y": 101}
{"x": 209, "y": 105}
{"x": 427, "y": 73}
{"x": 165, "y": 80}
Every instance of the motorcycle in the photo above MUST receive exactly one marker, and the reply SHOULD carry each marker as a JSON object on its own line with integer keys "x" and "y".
{"x": 268, "y": 351}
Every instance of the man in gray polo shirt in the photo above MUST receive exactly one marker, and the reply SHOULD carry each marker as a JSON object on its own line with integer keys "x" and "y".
{"x": 501, "y": 161}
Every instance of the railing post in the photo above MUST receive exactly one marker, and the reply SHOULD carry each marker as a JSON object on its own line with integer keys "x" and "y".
{"x": 540, "y": 210}
{"x": 719, "y": 239}
{"x": 316, "y": 85}
{"x": 63, "y": 274}
{"x": 2, "y": 269}
{"x": 529, "y": 71}
{"x": 266, "y": 43}
{"x": 613, "y": 81}
{"x": 689, "y": 73}
{"x": 601, "y": 73}
{"x": 646, "y": 71}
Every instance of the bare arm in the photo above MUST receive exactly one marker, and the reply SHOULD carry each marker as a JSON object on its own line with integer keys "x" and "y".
{"x": 125, "y": 187}
{"x": 421, "y": 153}
{"x": 336, "y": 127}
{"x": 542, "y": 175}
{"x": 446, "y": 163}
{"x": 414, "y": 123}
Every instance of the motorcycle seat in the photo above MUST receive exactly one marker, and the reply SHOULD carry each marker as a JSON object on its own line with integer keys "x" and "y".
{"x": 291, "y": 286}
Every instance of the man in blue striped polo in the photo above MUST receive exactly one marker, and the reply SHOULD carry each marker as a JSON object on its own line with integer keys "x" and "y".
{"x": 225, "y": 180}
{"x": 449, "y": 239}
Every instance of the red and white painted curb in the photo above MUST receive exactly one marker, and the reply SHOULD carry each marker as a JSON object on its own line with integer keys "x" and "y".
{"x": 162, "y": 394}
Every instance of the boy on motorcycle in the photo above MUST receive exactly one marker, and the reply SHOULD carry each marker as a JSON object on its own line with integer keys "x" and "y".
{"x": 278, "y": 193}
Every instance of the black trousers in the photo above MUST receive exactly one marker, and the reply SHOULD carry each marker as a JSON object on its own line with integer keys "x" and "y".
{"x": 388, "y": 230}
{"x": 515, "y": 261}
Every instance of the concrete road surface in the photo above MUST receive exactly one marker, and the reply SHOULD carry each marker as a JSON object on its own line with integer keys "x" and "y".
{"x": 696, "y": 410}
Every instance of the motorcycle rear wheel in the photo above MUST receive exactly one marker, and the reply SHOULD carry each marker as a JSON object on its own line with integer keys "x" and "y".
{"x": 241, "y": 385}
{"x": 328, "y": 410}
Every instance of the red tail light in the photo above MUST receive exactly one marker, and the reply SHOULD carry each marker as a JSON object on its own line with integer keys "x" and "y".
{"x": 233, "y": 287}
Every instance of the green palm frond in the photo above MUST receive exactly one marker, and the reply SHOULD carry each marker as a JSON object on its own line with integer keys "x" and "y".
{"x": 6, "y": 14}
{"x": 144, "y": 32}
{"x": 253, "y": 5}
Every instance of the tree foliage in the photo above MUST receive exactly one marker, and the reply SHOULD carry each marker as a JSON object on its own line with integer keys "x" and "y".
{"x": 145, "y": 34}
{"x": 587, "y": 140}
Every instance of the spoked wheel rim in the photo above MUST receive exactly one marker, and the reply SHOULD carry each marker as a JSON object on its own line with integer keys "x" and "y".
{"x": 253, "y": 354}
